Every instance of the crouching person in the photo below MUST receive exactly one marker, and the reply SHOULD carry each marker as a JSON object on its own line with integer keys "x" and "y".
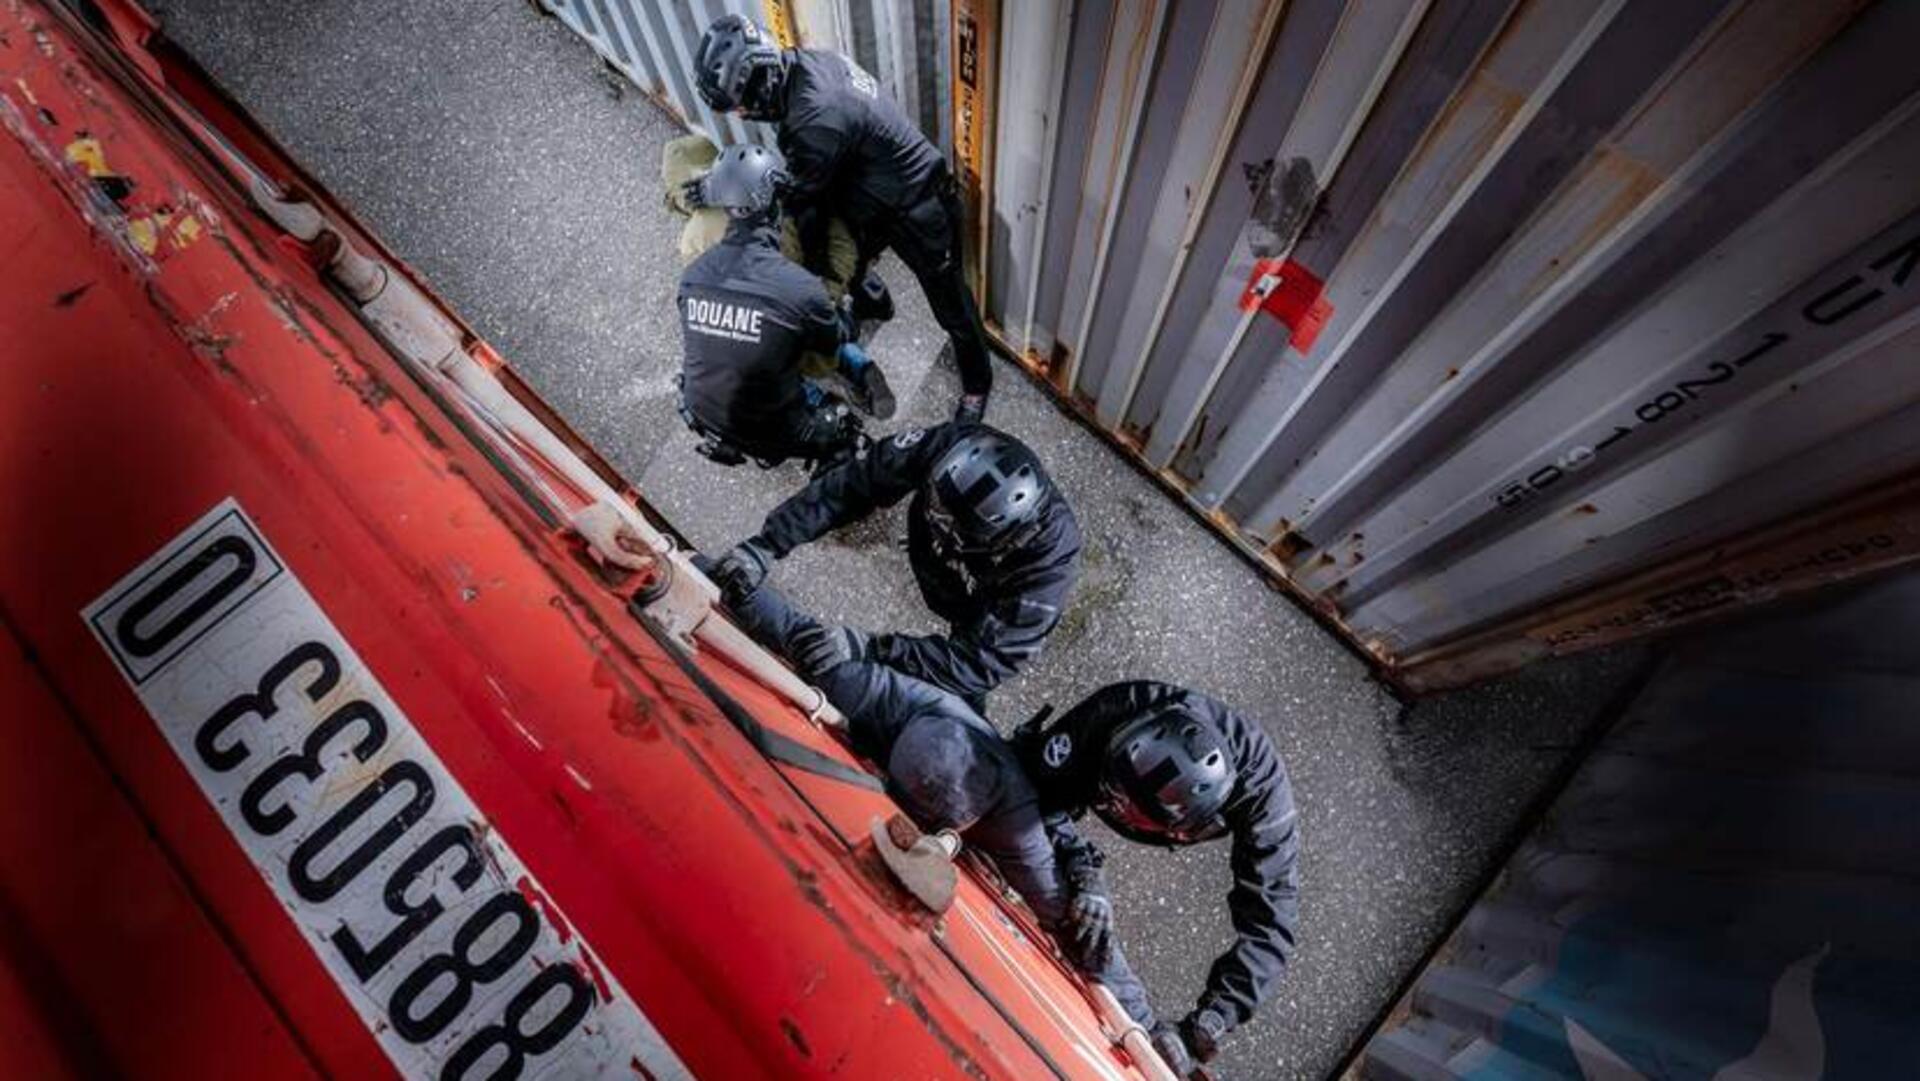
{"x": 1167, "y": 766}
{"x": 992, "y": 543}
{"x": 748, "y": 317}
{"x": 685, "y": 163}
{"x": 949, "y": 770}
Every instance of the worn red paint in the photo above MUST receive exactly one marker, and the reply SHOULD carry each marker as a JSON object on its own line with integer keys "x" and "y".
{"x": 1292, "y": 294}
{"x": 227, "y": 367}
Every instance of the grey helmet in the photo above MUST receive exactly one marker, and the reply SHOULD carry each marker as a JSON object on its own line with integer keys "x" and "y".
{"x": 739, "y": 68}
{"x": 1165, "y": 778}
{"x": 746, "y": 180}
{"x": 985, "y": 492}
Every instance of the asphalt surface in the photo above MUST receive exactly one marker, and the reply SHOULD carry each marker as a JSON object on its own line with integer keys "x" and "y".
{"x": 491, "y": 150}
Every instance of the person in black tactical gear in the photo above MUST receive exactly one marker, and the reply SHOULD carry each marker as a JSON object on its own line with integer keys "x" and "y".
{"x": 1164, "y": 765}
{"x": 948, "y": 769}
{"x": 994, "y": 548}
{"x": 747, "y": 315}
{"x": 850, "y": 146}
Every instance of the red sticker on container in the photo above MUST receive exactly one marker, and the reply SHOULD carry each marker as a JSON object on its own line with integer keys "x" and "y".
{"x": 1292, "y": 294}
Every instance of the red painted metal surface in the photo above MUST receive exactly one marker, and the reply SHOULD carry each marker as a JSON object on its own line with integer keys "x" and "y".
{"x": 163, "y": 348}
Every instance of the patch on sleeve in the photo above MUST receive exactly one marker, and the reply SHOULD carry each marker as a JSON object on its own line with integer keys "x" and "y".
{"x": 1059, "y": 748}
{"x": 909, "y": 437}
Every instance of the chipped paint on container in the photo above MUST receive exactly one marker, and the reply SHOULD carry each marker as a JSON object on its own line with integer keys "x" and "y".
{"x": 1547, "y": 297}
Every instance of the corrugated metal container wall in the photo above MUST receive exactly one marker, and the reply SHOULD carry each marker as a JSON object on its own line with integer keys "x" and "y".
{"x": 1496, "y": 329}
{"x": 1718, "y": 894}
{"x": 653, "y": 42}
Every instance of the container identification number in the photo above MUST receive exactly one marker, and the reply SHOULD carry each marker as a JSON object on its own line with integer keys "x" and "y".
{"x": 424, "y": 917}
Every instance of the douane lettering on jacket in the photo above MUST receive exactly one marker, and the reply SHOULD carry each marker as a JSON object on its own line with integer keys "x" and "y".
{"x": 722, "y": 320}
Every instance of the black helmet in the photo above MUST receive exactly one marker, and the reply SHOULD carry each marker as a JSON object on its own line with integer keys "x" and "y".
{"x": 1165, "y": 778}
{"x": 984, "y": 490}
{"x": 737, "y": 67}
{"x": 746, "y": 180}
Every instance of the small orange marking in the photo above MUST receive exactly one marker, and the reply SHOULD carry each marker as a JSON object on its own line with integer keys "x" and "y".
{"x": 86, "y": 153}
{"x": 185, "y": 232}
{"x": 144, "y": 234}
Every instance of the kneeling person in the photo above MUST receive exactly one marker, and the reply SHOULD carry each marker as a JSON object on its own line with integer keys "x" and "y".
{"x": 748, "y": 315}
{"x": 948, "y": 769}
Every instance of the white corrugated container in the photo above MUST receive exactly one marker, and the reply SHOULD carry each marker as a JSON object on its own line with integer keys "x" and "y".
{"x": 652, "y": 43}
{"x": 1492, "y": 329}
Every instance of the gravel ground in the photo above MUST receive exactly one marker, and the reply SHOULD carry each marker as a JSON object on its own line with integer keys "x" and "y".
{"x": 493, "y": 152}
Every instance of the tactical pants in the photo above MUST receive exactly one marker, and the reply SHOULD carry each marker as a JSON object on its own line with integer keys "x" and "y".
{"x": 930, "y": 238}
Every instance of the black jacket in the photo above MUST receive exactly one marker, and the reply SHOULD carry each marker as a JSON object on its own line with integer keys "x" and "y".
{"x": 846, "y": 141}
{"x": 1001, "y": 605}
{"x": 747, "y": 312}
{"x": 949, "y": 769}
{"x": 1064, "y": 759}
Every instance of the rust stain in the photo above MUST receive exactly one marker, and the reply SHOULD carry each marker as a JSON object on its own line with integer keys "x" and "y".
{"x": 590, "y": 968}
{"x": 633, "y": 715}
{"x": 1198, "y": 436}
{"x": 794, "y": 1037}
{"x": 202, "y": 336}
{"x": 1056, "y": 369}
{"x": 1613, "y": 187}
{"x": 482, "y": 835}
{"x": 1586, "y": 508}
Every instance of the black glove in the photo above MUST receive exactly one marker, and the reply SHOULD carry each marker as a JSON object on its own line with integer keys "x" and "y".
{"x": 1202, "y": 1030}
{"x": 818, "y": 650}
{"x": 694, "y": 193}
{"x": 1090, "y": 918}
{"x": 742, "y": 569}
{"x": 1172, "y": 1048}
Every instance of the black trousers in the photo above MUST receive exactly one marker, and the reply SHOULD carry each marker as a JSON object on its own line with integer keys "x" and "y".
{"x": 810, "y": 432}
{"x": 930, "y": 238}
